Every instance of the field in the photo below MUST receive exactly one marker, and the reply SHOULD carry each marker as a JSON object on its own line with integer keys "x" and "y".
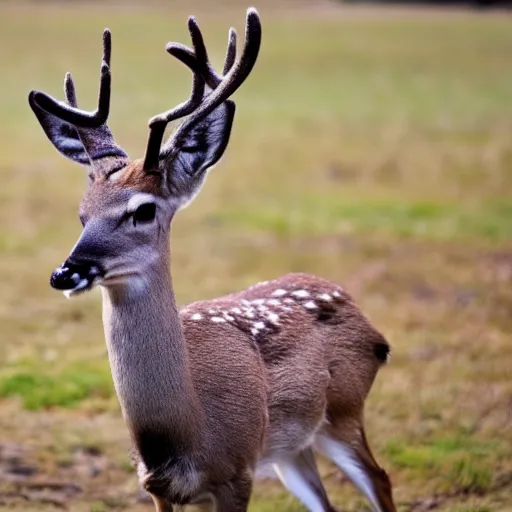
{"x": 371, "y": 146}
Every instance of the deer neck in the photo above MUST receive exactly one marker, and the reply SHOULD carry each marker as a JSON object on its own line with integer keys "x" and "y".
{"x": 149, "y": 363}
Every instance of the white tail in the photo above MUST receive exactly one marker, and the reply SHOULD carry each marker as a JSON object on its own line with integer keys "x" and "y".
{"x": 225, "y": 387}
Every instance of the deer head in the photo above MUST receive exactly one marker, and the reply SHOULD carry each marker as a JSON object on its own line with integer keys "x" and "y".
{"x": 128, "y": 207}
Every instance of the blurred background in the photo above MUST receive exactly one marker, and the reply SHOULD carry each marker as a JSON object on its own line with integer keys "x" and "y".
{"x": 372, "y": 145}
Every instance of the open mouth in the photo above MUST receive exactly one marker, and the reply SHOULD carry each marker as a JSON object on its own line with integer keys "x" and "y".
{"x": 84, "y": 285}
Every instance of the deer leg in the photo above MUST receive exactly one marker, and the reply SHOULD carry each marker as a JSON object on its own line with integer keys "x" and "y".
{"x": 161, "y": 504}
{"x": 234, "y": 496}
{"x": 299, "y": 474}
{"x": 348, "y": 448}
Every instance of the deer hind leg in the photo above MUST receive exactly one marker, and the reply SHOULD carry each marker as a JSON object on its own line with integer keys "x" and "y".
{"x": 299, "y": 474}
{"x": 234, "y": 496}
{"x": 346, "y": 445}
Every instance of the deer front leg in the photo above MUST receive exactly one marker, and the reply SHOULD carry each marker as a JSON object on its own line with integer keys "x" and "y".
{"x": 161, "y": 504}
{"x": 234, "y": 496}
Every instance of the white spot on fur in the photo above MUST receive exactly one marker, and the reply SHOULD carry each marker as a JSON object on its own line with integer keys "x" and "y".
{"x": 310, "y": 305}
{"x": 211, "y": 312}
{"x": 336, "y": 294}
{"x": 196, "y": 316}
{"x": 325, "y": 296}
{"x": 237, "y": 311}
{"x": 229, "y": 318}
{"x": 273, "y": 318}
{"x": 218, "y": 319}
{"x": 258, "y": 302}
{"x": 289, "y": 301}
{"x": 279, "y": 292}
{"x": 249, "y": 313}
{"x": 300, "y": 294}
{"x": 257, "y": 327}
{"x": 273, "y": 302}
{"x": 262, "y": 309}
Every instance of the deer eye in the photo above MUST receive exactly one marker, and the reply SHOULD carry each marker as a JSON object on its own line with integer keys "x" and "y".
{"x": 144, "y": 213}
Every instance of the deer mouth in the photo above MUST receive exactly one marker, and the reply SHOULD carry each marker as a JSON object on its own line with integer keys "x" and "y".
{"x": 75, "y": 278}
{"x": 119, "y": 276}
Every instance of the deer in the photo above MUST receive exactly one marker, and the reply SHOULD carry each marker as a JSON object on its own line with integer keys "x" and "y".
{"x": 218, "y": 391}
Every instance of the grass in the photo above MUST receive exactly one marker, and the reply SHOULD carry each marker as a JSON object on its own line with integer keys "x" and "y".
{"x": 460, "y": 463}
{"x": 67, "y": 389}
{"x": 371, "y": 146}
{"x": 325, "y": 214}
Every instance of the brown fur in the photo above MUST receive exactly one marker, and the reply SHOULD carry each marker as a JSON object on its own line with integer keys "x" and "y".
{"x": 317, "y": 367}
{"x": 134, "y": 176}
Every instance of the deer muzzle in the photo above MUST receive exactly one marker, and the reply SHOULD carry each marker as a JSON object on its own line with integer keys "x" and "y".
{"x": 73, "y": 277}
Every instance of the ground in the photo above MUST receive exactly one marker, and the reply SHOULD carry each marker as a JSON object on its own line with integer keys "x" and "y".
{"x": 371, "y": 146}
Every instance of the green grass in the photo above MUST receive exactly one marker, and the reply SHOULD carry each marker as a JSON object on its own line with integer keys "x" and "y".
{"x": 67, "y": 389}
{"x": 328, "y": 214}
{"x": 372, "y": 146}
{"x": 459, "y": 463}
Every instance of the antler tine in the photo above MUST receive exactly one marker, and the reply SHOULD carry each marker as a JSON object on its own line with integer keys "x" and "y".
{"x": 69, "y": 112}
{"x": 157, "y": 124}
{"x": 236, "y": 75}
{"x": 189, "y": 58}
{"x": 230, "y": 52}
{"x": 107, "y": 46}
{"x": 185, "y": 55}
{"x": 69, "y": 90}
{"x": 203, "y": 62}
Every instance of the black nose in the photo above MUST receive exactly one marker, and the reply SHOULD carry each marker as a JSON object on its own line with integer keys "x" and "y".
{"x": 72, "y": 274}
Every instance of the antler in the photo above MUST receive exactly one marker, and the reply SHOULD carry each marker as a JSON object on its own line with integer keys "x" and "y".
{"x": 80, "y": 135}
{"x": 69, "y": 112}
{"x": 202, "y": 64}
{"x": 158, "y": 123}
{"x": 199, "y": 106}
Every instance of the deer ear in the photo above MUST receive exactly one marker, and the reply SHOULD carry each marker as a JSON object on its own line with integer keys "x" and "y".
{"x": 62, "y": 135}
{"x": 84, "y": 145}
{"x": 184, "y": 162}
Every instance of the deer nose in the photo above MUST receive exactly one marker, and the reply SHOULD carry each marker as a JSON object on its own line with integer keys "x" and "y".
{"x": 72, "y": 274}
